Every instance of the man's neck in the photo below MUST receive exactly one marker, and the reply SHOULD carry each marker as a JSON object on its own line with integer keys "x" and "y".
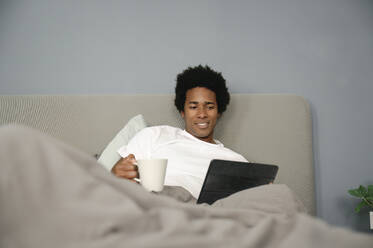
{"x": 209, "y": 140}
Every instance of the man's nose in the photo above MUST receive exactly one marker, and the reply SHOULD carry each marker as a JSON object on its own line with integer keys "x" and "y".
{"x": 202, "y": 113}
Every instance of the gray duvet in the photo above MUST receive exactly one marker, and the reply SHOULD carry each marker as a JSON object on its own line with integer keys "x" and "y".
{"x": 54, "y": 196}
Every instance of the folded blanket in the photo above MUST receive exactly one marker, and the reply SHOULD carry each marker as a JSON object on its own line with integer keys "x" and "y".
{"x": 54, "y": 196}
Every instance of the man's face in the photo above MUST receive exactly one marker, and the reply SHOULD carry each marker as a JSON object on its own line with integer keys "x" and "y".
{"x": 200, "y": 113}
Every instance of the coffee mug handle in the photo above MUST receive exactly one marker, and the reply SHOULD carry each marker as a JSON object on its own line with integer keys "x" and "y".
{"x": 137, "y": 179}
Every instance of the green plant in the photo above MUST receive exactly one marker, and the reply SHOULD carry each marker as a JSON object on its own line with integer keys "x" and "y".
{"x": 366, "y": 196}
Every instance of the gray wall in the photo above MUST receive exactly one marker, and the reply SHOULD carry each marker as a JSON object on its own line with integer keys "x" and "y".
{"x": 320, "y": 49}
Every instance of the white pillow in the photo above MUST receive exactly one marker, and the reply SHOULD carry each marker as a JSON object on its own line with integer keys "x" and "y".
{"x": 110, "y": 155}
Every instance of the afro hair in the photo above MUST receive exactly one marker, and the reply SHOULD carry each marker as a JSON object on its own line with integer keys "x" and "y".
{"x": 201, "y": 76}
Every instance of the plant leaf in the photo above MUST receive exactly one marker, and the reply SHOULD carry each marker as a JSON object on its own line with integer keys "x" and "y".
{"x": 359, "y": 206}
{"x": 363, "y": 191}
{"x": 355, "y": 192}
{"x": 370, "y": 190}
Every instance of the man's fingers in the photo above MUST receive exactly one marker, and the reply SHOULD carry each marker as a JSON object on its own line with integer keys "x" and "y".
{"x": 130, "y": 157}
{"x": 127, "y": 174}
{"x": 127, "y": 167}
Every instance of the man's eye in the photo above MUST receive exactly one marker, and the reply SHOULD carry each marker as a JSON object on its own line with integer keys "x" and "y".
{"x": 192, "y": 107}
{"x": 211, "y": 107}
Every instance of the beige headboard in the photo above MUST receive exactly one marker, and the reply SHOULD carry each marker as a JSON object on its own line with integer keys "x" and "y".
{"x": 264, "y": 128}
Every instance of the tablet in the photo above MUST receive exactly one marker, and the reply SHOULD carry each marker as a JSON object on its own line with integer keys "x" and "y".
{"x": 226, "y": 177}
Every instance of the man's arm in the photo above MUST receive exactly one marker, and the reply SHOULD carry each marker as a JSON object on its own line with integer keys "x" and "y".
{"x": 126, "y": 168}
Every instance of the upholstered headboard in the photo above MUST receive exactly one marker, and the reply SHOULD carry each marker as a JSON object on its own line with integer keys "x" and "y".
{"x": 262, "y": 127}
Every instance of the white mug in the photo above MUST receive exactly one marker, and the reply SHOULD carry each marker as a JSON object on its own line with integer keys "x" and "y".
{"x": 152, "y": 173}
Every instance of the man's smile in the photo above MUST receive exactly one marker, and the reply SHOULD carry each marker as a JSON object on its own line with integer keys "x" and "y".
{"x": 203, "y": 124}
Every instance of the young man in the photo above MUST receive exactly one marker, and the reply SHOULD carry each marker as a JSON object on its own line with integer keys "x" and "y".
{"x": 201, "y": 97}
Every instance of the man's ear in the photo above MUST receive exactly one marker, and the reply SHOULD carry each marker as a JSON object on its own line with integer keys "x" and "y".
{"x": 182, "y": 114}
{"x": 219, "y": 115}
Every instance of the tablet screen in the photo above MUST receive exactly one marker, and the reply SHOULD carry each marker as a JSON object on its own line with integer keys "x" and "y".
{"x": 226, "y": 177}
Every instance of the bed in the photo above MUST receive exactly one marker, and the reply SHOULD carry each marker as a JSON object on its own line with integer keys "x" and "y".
{"x": 265, "y": 128}
{"x": 274, "y": 129}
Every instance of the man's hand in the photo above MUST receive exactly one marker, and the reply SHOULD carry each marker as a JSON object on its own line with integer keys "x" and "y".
{"x": 126, "y": 168}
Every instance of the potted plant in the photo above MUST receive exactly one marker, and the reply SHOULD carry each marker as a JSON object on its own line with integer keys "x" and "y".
{"x": 366, "y": 196}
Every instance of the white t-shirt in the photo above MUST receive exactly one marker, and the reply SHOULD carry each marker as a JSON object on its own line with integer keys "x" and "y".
{"x": 188, "y": 157}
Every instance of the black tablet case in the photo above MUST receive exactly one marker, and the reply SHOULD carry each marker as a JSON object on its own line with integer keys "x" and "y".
{"x": 226, "y": 177}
